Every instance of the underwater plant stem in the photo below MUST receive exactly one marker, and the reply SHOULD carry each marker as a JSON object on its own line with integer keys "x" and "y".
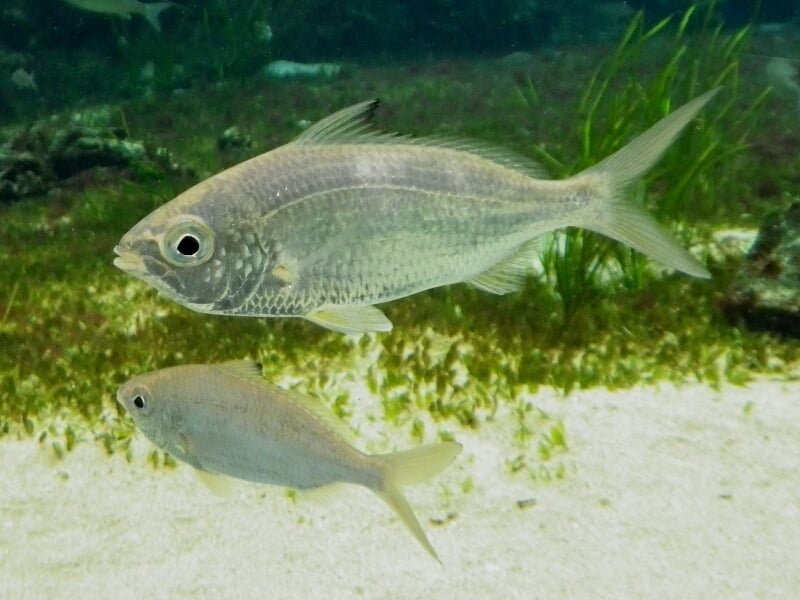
{"x": 123, "y": 119}
{"x": 10, "y": 301}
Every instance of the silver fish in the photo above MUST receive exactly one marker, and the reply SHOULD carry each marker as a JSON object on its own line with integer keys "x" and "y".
{"x": 344, "y": 217}
{"x": 125, "y": 8}
{"x": 225, "y": 419}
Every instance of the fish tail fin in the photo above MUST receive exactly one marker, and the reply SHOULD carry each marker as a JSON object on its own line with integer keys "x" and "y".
{"x": 152, "y": 12}
{"x": 622, "y": 220}
{"x": 409, "y": 467}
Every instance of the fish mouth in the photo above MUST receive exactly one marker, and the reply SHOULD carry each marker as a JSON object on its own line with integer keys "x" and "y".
{"x": 129, "y": 262}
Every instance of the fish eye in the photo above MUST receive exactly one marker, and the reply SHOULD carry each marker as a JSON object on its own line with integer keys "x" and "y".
{"x": 140, "y": 401}
{"x": 187, "y": 242}
{"x": 188, "y": 245}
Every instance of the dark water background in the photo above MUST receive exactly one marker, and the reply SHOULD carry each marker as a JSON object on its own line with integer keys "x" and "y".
{"x": 83, "y": 57}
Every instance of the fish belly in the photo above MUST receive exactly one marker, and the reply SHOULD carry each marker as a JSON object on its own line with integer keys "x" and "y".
{"x": 284, "y": 465}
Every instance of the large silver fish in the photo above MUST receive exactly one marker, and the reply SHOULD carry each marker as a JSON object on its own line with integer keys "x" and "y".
{"x": 225, "y": 419}
{"x": 344, "y": 217}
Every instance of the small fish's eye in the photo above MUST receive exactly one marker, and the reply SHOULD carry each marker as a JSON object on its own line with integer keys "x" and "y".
{"x": 187, "y": 242}
{"x": 139, "y": 401}
{"x": 188, "y": 245}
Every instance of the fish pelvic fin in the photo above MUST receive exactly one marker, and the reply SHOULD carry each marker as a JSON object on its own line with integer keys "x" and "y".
{"x": 407, "y": 468}
{"x": 152, "y": 12}
{"x": 220, "y": 485}
{"x": 350, "y": 319}
{"x": 620, "y": 219}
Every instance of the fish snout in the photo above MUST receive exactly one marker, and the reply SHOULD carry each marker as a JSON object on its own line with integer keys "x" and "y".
{"x": 129, "y": 261}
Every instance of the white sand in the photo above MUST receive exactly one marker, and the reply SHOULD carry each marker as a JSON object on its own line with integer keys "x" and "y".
{"x": 670, "y": 493}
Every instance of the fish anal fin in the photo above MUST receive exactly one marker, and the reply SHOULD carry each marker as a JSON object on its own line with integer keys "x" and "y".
{"x": 350, "y": 319}
{"x": 509, "y": 274}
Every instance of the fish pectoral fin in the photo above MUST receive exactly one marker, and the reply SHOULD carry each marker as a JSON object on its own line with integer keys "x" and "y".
{"x": 509, "y": 274}
{"x": 350, "y": 319}
{"x": 219, "y": 484}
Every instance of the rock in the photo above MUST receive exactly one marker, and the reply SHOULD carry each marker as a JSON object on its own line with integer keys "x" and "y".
{"x": 517, "y": 59}
{"x": 39, "y": 158}
{"x": 76, "y": 148}
{"x": 21, "y": 174}
{"x": 232, "y": 139}
{"x": 766, "y": 292}
{"x": 233, "y": 145}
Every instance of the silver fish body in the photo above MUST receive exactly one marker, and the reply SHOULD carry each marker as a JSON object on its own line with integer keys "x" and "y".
{"x": 343, "y": 218}
{"x": 225, "y": 419}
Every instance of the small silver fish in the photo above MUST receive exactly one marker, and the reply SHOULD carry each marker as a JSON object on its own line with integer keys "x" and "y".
{"x": 343, "y": 218}
{"x": 125, "y": 8}
{"x": 24, "y": 80}
{"x": 225, "y": 419}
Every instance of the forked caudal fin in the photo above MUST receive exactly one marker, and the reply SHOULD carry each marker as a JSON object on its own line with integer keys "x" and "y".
{"x": 410, "y": 467}
{"x": 622, "y": 220}
{"x": 152, "y": 12}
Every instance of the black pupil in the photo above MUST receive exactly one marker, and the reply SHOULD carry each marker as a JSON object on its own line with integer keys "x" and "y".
{"x": 138, "y": 402}
{"x": 188, "y": 245}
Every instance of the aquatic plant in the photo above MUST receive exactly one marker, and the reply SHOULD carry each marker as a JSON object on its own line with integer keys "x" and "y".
{"x": 618, "y": 103}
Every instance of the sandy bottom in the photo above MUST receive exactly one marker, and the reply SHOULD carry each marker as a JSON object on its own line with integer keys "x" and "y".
{"x": 670, "y": 493}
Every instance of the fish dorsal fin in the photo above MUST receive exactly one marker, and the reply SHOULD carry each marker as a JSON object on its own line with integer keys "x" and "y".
{"x": 250, "y": 370}
{"x": 509, "y": 274}
{"x": 502, "y": 156}
{"x": 247, "y": 369}
{"x": 349, "y": 125}
{"x": 353, "y": 125}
